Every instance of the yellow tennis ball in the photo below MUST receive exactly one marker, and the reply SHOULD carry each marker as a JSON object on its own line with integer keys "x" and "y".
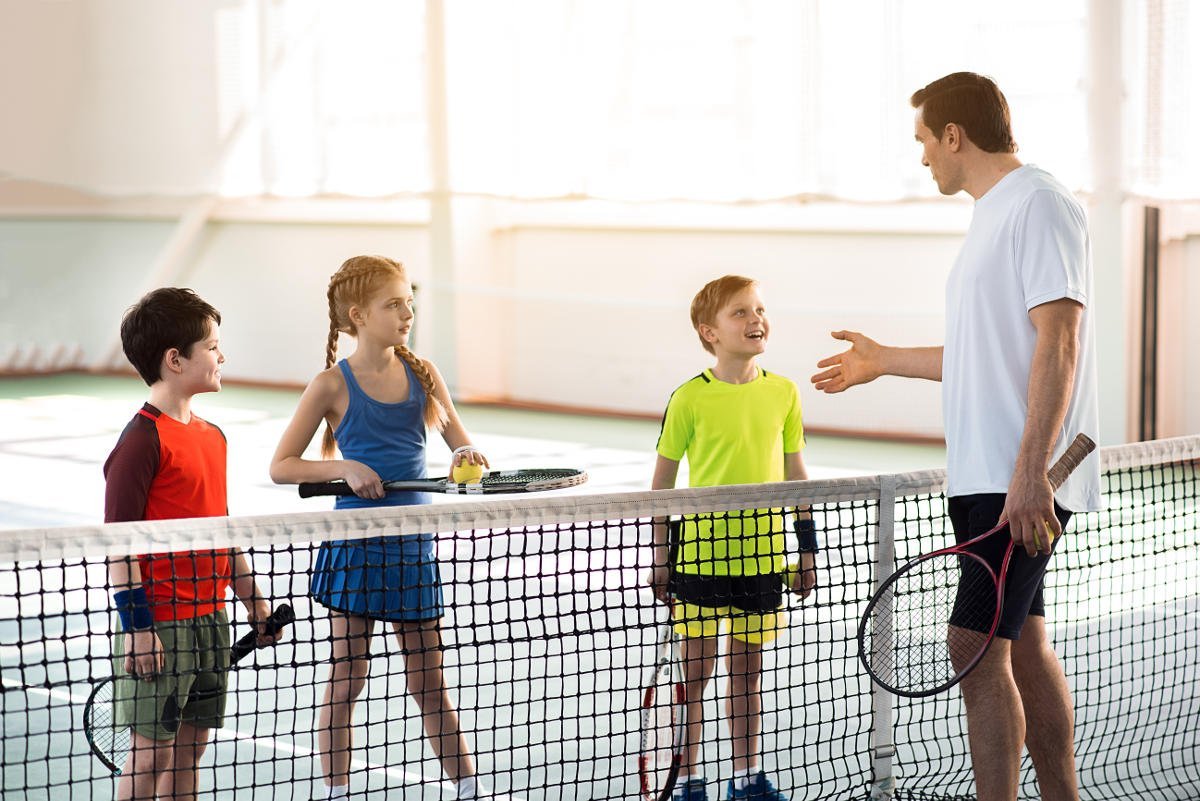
{"x": 467, "y": 473}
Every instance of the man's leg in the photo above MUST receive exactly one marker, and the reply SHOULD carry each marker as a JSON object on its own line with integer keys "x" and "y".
{"x": 1049, "y": 716}
{"x": 995, "y": 723}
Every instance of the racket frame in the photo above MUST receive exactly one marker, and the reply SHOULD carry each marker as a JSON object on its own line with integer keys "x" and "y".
{"x": 882, "y": 594}
{"x": 1071, "y": 458}
{"x": 668, "y": 663}
{"x": 493, "y": 482}
{"x": 282, "y": 616}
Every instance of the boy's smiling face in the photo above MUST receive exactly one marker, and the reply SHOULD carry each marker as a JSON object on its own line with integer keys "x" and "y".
{"x": 200, "y": 370}
{"x": 741, "y": 327}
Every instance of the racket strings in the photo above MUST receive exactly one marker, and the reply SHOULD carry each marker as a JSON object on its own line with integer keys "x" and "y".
{"x": 539, "y": 476}
{"x": 112, "y": 739}
{"x": 931, "y": 623}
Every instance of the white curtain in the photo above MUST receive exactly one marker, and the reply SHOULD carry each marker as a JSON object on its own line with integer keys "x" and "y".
{"x": 1163, "y": 103}
{"x": 721, "y": 100}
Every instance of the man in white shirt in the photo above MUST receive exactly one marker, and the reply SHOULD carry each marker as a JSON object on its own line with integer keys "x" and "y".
{"x": 1018, "y": 373}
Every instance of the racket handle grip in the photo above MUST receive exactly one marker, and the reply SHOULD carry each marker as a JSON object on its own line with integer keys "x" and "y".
{"x": 282, "y": 616}
{"x": 1071, "y": 458}
{"x": 315, "y": 488}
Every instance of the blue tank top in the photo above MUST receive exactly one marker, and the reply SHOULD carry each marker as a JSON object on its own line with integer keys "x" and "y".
{"x": 387, "y": 437}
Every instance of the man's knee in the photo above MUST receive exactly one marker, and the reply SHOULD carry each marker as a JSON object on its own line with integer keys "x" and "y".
{"x": 992, "y": 677}
{"x": 1033, "y": 655}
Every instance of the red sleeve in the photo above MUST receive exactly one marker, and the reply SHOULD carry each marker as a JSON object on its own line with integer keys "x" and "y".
{"x": 129, "y": 471}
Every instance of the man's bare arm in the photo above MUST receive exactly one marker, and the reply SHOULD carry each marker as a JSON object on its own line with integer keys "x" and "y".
{"x": 1029, "y": 507}
{"x": 867, "y": 360}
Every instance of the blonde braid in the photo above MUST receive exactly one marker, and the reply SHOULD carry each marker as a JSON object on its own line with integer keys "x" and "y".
{"x": 328, "y": 444}
{"x": 436, "y": 416}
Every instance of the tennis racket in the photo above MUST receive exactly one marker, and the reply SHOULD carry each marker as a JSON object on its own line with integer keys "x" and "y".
{"x": 664, "y": 720}
{"x": 111, "y": 744}
{"x": 493, "y": 481}
{"x": 912, "y": 640}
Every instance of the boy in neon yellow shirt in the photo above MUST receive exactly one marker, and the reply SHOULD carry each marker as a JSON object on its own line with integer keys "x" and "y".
{"x": 724, "y": 574}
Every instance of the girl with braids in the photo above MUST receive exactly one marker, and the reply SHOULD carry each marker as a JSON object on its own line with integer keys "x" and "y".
{"x": 377, "y": 405}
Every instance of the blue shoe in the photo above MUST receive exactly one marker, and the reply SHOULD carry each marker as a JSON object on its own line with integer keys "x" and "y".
{"x": 691, "y": 790}
{"x": 758, "y": 789}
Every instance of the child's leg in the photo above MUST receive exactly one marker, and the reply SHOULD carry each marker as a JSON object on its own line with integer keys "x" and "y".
{"x": 148, "y": 761}
{"x": 179, "y": 783}
{"x": 743, "y": 707}
{"x": 699, "y": 660}
{"x": 422, "y": 642}
{"x": 347, "y": 677}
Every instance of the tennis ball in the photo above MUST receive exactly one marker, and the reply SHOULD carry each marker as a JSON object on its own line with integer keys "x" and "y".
{"x": 467, "y": 473}
{"x": 1037, "y": 540}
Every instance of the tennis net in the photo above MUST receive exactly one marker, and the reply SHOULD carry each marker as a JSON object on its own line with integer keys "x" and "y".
{"x": 549, "y": 630}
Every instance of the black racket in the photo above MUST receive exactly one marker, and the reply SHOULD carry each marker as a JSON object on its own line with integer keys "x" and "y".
{"x": 493, "y": 481}
{"x": 664, "y": 720}
{"x": 911, "y": 639}
{"x": 111, "y": 744}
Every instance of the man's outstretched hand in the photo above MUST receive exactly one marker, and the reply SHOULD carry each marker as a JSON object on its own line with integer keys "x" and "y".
{"x": 859, "y": 365}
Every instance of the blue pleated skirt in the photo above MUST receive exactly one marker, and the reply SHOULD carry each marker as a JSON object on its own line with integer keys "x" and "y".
{"x": 383, "y": 578}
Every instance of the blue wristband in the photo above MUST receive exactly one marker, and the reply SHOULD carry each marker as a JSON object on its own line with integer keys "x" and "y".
{"x": 133, "y": 607}
{"x": 806, "y": 532}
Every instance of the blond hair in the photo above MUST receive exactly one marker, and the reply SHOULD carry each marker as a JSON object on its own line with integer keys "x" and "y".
{"x": 353, "y": 284}
{"x": 712, "y": 298}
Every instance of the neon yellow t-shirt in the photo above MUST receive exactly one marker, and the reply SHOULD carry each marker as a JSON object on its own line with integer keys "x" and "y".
{"x": 732, "y": 434}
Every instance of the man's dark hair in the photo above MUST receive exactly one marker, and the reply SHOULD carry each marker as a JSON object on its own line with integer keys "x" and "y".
{"x": 972, "y": 102}
{"x": 165, "y": 318}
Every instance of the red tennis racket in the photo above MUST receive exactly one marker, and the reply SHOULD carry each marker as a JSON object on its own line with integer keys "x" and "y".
{"x": 664, "y": 720}
{"x": 915, "y": 639}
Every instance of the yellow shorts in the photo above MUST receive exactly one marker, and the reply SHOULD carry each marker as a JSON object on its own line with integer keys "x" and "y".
{"x": 758, "y": 628}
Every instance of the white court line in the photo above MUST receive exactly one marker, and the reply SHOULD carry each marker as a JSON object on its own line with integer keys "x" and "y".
{"x": 58, "y": 695}
{"x": 271, "y": 744}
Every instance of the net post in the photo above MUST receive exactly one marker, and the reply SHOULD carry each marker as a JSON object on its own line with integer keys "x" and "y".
{"x": 883, "y": 748}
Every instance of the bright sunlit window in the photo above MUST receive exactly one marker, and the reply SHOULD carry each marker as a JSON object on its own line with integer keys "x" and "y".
{"x": 755, "y": 100}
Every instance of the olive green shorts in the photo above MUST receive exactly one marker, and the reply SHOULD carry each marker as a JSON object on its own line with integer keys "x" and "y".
{"x": 192, "y": 686}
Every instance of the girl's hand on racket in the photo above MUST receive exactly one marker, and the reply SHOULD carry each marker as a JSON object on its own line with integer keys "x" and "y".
{"x": 1029, "y": 511}
{"x": 859, "y": 365}
{"x": 364, "y": 481}
{"x": 143, "y": 654}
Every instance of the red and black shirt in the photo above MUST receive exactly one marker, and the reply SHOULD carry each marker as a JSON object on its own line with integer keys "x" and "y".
{"x": 162, "y": 469}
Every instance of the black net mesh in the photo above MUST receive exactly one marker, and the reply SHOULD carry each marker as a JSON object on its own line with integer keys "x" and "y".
{"x": 548, "y": 632}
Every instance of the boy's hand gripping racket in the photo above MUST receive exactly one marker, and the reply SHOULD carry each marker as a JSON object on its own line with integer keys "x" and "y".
{"x": 664, "y": 720}
{"x": 911, "y": 640}
{"x": 493, "y": 481}
{"x": 111, "y": 744}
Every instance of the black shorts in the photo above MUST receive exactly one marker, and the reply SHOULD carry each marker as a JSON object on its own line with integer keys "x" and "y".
{"x": 762, "y": 593}
{"x": 972, "y": 515}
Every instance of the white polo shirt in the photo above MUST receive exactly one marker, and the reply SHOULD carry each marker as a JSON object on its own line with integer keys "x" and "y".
{"x": 1027, "y": 245}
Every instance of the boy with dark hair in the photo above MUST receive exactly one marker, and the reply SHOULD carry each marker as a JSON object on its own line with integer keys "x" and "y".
{"x": 168, "y": 463}
{"x": 724, "y": 574}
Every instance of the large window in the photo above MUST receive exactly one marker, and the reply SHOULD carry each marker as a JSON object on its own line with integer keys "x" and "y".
{"x": 657, "y": 99}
